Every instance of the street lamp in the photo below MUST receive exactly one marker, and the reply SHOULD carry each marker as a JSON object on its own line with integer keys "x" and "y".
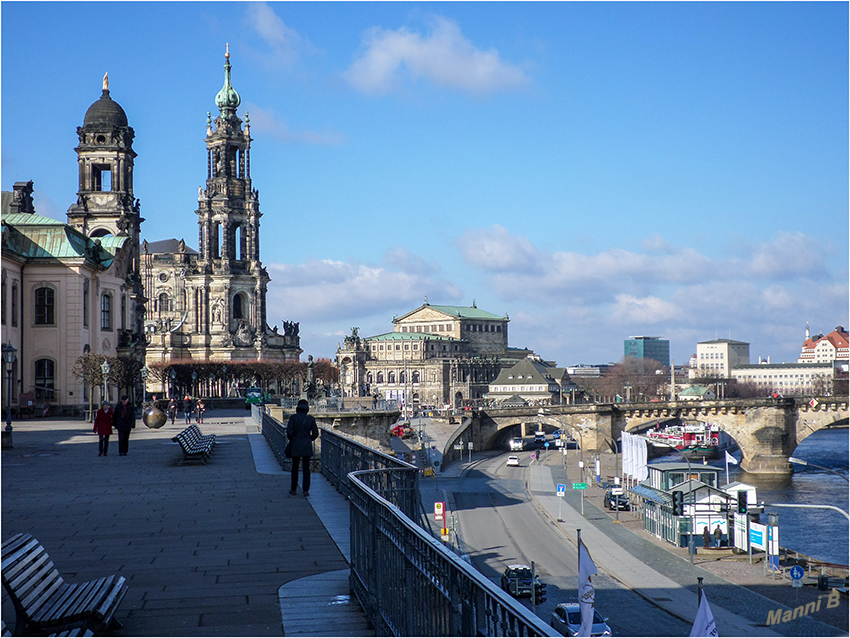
{"x": 194, "y": 383}
{"x": 144, "y": 373}
{"x": 173, "y": 377}
{"x": 793, "y": 459}
{"x": 105, "y": 369}
{"x": 10, "y": 355}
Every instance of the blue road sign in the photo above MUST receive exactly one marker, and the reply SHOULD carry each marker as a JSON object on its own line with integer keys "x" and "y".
{"x": 797, "y": 572}
{"x": 546, "y": 445}
{"x": 562, "y": 488}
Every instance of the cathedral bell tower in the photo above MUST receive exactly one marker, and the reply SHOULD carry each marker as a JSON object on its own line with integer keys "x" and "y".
{"x": 229, "y": 223}
{"x": 105, "y": 203}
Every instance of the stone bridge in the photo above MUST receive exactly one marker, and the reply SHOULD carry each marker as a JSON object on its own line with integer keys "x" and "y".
{"x": 766, "y": 430}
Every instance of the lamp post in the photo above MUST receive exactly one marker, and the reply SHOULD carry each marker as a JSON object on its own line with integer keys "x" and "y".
{"x": 104, "y": 368}
{"x": 194, "y": 383}
{"x": 144, "y": 373}
{"x": 792, "y": 459}
{"x": 173, "y": 377}
{"x": 10, "y": 356}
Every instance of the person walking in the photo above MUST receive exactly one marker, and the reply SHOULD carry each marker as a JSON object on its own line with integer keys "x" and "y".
{"x": 172, "y": 409}
{"x": 103, "y": 428}
{"x": 124, "y": 420}
{"x": 718, "y": 535}
{"x": 706, "y": 536}
{"x": 301, "y": 431}
{"x": 187, "y": 408}
{"x": 200, "y": 408}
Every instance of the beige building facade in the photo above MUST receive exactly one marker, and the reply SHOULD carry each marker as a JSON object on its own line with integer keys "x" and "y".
{"x": 435, "y": 356}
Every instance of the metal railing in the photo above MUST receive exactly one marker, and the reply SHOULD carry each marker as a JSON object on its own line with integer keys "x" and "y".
{"x": 407, "y": 582}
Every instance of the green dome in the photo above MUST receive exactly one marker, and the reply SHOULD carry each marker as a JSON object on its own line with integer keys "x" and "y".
{"x": 227, "y": 98}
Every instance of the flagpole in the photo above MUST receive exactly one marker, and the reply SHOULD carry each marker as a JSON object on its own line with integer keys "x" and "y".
{"x": 578, "y": 556}
{"x": 727, "y": 469}
{"x": 699, "y": 590}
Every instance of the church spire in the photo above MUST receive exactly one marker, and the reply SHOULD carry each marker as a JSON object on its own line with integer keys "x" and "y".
{"x": 227, "y": 99}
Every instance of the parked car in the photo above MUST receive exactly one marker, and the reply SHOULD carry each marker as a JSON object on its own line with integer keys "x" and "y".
{"x": 616, "y": 501}
{"x": 566, "y": 620}
{"x": 513, "y": 461}
{"x": 557, "y": 434}
{"x": 516, "y": 580}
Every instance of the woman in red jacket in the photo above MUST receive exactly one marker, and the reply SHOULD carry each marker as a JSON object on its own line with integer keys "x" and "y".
{"x": 103, "y": 428}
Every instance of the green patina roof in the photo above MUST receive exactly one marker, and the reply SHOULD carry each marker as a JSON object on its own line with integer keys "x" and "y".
{"x": 410, "y": 336}
{"x": 457, "y": 312}
{"x": 34, "y": 236}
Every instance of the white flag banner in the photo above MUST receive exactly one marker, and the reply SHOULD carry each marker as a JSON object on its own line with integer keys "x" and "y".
{"x": 587, "y": 595}
{"x": 643, "y": 470}
{"x": 627, "y": 454}
{"x": 731, "y": 459}
{"x": 704, "y": 626}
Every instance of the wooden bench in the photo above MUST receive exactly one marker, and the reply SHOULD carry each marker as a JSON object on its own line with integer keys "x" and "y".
{"x": 76, "y": 631}
{"x": 195, "y": 445}
{"x": 45, "y": 603}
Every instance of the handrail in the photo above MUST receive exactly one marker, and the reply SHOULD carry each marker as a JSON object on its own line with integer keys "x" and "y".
{"x": 409, "y": 584}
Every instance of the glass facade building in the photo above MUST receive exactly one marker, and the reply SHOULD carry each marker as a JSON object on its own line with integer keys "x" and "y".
{"x": 654, "y": 348}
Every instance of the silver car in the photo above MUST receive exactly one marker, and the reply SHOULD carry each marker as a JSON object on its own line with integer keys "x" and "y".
{"x": 566, "y": 619}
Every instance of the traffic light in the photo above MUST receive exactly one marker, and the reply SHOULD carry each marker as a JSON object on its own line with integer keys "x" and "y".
{"x": 678, "y": 503}
{"x": 539, "y": 593}
{"x": 742, "y": 501}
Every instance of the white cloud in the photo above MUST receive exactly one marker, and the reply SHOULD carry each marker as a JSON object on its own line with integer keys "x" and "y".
{"x": 443, "y": 57}
{"x": 629, "y": 309}
{"x": 284, "y": 43}
{"x": 788, "y": 256}
{"x": 496, "y": 250}
{"x": 266, "y": 122}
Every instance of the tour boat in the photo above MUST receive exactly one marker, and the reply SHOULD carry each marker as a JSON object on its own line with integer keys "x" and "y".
{"x": 693, "y": 439}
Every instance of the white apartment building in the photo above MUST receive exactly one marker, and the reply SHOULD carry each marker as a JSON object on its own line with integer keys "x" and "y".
{"x": 717, "y": 358}
{"x": 788, "y": 378}
{"x": 825, "y": 348}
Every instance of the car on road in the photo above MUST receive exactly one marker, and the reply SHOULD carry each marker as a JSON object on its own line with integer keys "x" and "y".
{"x": 616, "y": 501}
{"x": 513, "y": 461}
{"x": 539, "y": 437}
{"x": 517, "y": 581}
{"x": 557, "y": 434}
{"x": 566, "y": 620}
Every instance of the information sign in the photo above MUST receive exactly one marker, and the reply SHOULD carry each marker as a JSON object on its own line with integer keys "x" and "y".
{"x": 561, "y": 489}
{"x": 797, "y": 572}
{"x": 757, "y": 536}
{"x": 579, "y": 486}
{"x": 439, "y": 509}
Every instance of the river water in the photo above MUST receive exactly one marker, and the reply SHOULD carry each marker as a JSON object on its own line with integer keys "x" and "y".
{"x": 821, "y": 534}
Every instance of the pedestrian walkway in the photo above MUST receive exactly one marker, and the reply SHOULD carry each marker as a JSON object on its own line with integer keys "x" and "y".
{"x": 208, "y": 550}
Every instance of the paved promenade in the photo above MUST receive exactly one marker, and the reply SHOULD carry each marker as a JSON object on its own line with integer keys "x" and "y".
{"x": 208, "y": 550}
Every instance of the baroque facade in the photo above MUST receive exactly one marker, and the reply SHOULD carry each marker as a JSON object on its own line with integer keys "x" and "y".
{"x": 210, "y": 303}
{"x": 75, "y": 288}
{"x": 435, "y": 355}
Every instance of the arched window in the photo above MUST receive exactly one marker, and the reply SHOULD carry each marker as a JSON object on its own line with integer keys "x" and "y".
{"x": 380, "y": 377}
{"x": 402, "y": 377}
{"x": 238, "y": 311}
{"x": 368, "y": 377}
{"x": 391, "y": 377}
{"x": 415, "y": 376}
{"x": 44, "y": 380}
{"x": 237, "y": 243}
{"x": 45, "y": 300}
{"x": 164, "y": 303}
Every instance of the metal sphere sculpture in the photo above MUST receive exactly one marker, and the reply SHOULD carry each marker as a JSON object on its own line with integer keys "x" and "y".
{"x": 153, "y": 417}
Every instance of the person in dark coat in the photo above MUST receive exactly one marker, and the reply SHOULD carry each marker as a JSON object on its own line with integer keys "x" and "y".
{"x": 124, "y": 420}
{"x": 103, "y": 428}
{"x": 172, "y": 410}
{"x": 706, "y": 537}
{"x": 188, "y": 408}
{"x": 301, "y": 431}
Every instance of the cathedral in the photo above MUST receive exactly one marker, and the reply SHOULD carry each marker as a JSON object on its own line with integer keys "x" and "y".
{"x": 91, "y": 285}
{"x": 210, "y": 303}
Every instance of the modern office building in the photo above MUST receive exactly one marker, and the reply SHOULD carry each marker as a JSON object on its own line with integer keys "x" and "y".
{"x": 654, "y": 348}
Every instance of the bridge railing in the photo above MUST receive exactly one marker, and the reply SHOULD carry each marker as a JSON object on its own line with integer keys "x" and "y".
{"x": 409, "y": 584}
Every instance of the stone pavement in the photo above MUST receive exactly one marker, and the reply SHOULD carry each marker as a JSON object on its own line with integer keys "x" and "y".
{"x": 208, "y": 550}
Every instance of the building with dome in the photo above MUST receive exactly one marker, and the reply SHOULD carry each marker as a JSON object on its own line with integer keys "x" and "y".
{"x": 74, "y": 288}
{"x": 209, "y": 303}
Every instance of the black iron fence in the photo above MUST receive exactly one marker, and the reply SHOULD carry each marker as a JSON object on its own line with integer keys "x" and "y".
{"x": 407, "y": 582}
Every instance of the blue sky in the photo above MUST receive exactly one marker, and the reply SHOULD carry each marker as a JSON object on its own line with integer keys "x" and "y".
{"x": 594, "y": 170}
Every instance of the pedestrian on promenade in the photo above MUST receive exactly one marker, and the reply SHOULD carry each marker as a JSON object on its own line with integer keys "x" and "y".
{"x": 706, "y": 536}
{"x": 718, "y": 535}
{"x": 187, "y": 408}
{"x": 301, "y": 431}
{"x": 172, "y": 409}
{"x": 200, "y": 408}
{"x": 103, "y": 427}
{"x": 124, "y": 420}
